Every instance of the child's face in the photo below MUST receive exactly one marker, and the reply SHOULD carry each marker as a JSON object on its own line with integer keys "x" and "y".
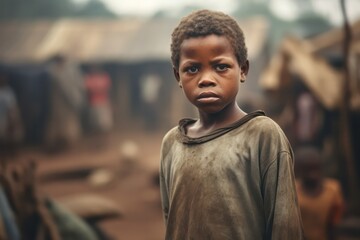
{"x": 312, "y": 172}
{"x": 209, "y": 72}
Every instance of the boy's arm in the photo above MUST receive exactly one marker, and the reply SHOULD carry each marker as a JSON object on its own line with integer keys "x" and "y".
{"x": 283, "y": 219}
{"x": 162, "y": 178}
{"x": 164, "y": 171}
{"x": 164, "y": 195}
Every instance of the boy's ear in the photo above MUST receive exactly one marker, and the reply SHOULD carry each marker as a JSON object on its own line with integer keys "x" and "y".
{"x": 244, "y": 71}
{"x": 177, "y": 76}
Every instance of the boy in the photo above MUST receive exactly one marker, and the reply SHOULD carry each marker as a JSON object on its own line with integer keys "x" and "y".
{"x": 228, "y": 175}
{"x": 320, "y": 199}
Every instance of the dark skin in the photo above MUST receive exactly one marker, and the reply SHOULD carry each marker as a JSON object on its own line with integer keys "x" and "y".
{"x": 210, "y": 77}
{"x": 311, "y": 181}
{"x": 312, "y": 184}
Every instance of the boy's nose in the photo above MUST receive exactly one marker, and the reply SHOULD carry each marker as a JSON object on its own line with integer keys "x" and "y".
{"x": 206, "y": 81}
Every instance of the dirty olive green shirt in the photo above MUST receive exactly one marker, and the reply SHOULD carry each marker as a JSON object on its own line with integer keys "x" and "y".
{"x": 236, "y": 183}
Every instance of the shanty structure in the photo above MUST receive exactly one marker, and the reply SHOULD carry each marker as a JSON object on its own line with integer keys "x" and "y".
{"x": 128, "y": 49}
{"x": 319, "y": 64}
{"x": 35, "y": 42}
{"x": 128, "y": 40}
{"x": 309, "y": 59}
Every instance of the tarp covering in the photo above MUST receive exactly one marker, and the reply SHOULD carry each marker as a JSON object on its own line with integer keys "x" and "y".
{"x": 320, "y": 78}
{"x": 299, "y": 57}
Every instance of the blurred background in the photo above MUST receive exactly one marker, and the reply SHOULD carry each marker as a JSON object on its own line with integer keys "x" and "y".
{"x": 87, "y": 93}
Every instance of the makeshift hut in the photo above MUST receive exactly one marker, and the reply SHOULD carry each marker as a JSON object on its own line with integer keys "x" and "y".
{"x": 130, "y": 50}
{"x": 315, "y": 67}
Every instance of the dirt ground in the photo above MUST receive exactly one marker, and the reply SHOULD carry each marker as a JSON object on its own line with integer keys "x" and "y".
{"x": 133, "y": 189}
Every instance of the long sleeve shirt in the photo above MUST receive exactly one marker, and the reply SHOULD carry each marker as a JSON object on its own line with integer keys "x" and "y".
{"x": 236, "y": 183}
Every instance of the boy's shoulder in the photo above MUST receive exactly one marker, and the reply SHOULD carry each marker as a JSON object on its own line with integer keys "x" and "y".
{"x": 264, "y": 121}
{"x": 263, "y": 124}
{"x": 266, "y": 132}
{"x": 175, "y": 132}
{"x": 170, "y": 138}
{"x": 171, "y": 135}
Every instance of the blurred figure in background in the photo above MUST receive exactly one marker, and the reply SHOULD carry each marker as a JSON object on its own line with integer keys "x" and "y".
{"x": 320, "y": 199}
{"x": 11, "y": 129}
{"x": 98, "y": 84}
{"x": 67, "y": 100}
{"x": 308, "y": 120}
{"x": 150, "y": 85}
{"x": 27, "y": 214}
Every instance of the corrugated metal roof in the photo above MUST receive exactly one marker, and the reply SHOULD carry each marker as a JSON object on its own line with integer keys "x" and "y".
{"x": 19, "y": 40}
{"x": 152, "y": 41}
{"x": 103, "y": 40}
{"x": 88, "y": 40}
{"x": 92, "y": 40}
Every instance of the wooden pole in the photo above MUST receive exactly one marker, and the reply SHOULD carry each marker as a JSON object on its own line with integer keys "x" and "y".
{"x": 345, "y": 136}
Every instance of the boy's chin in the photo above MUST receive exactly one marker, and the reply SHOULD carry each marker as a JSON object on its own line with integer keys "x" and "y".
{"x": 210, "y": 110}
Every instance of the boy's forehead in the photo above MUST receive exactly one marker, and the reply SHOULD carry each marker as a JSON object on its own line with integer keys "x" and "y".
{"x": 197, "y": 42}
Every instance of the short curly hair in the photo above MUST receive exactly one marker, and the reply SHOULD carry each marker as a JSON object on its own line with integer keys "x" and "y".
{"x": 202, "y": 23}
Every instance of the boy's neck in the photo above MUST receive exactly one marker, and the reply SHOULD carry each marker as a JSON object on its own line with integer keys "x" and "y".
{"x": 209, "y": 122}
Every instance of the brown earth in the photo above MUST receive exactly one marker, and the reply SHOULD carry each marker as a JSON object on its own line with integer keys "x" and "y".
{"x": 134, "y": 188}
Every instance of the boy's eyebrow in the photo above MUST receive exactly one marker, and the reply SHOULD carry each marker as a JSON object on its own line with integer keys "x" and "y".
{"x": 219, "y": 59}
{"x": 190, "y": 61}
{"x": 213, "y": 61}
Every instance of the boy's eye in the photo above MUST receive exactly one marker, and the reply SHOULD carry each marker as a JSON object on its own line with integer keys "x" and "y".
{"x": 221, "y": 67}
{"x": 192, "y": 69}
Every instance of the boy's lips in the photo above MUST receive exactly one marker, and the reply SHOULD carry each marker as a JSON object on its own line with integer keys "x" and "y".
{"x": 207, "y": 97}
